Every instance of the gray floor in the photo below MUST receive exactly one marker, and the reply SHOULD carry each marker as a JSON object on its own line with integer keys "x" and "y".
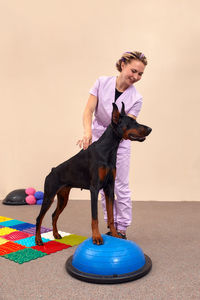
{"x": 167, "y": 232}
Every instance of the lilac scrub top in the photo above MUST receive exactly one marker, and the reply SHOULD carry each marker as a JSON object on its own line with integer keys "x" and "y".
{"x": 104, "y": 90}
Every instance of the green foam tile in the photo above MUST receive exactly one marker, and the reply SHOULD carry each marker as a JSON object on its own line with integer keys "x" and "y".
{"x": 72, "y": 239}
{"x": 24, "y": 255}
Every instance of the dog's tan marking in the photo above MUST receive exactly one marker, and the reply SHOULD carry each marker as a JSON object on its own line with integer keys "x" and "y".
{"x": 132, "y": 131}
{"x": 103, "y": 171}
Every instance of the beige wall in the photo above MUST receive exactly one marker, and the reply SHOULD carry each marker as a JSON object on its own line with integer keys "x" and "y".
{"x": 51, "y": 52}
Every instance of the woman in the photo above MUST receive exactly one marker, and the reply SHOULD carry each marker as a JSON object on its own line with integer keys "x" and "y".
{"x": 105, "y": 91}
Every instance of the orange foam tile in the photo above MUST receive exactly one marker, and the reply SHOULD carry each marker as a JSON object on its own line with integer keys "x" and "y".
{"x": 10, "y": 247}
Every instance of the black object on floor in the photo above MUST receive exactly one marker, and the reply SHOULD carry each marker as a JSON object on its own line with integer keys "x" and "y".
{"x": 16, "y": 197}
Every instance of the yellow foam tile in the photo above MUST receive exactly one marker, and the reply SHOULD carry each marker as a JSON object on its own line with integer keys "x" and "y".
{"x": 3, "y": 241}
{"x": 6, "y": 230}
{"x": 3, "y": 219}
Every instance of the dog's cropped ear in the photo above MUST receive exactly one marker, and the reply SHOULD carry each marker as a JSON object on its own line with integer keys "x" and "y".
{"x": 123, "y": 109}
{"x": 115, "y": 114}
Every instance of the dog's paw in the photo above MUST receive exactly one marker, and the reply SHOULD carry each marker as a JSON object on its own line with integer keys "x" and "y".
{"x": 97, "y": 240}
{"x": 39, "y": 242}
{"x": 57, "y": 236}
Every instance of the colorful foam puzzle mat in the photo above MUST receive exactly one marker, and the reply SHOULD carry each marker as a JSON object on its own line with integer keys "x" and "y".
{"x": 17, "y": 241}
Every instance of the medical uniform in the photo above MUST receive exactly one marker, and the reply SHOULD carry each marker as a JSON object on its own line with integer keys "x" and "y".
{"x": 104, "y": 90}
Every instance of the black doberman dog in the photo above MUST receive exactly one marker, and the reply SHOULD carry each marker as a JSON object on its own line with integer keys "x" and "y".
{"x": 92, "y": 169}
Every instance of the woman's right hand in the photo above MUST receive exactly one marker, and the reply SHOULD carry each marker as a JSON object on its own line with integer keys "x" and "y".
{"x": 87, "y": 123}
{"x": 85, "y": 142}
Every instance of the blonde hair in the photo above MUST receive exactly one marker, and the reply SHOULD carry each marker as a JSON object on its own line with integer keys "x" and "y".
{"x": 127, "y": 57}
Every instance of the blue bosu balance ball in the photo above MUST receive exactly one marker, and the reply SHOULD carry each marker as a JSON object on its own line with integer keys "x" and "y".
{"x": 115, "y": 261}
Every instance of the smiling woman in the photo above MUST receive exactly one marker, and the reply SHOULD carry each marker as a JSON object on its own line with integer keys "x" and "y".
{"x": 131, "y": 67}
{"x": 105, "y": 91}
{"x": 130, "y": 74}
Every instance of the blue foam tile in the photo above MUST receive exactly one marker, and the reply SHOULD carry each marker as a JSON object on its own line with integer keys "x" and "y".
{"x": 11, "y": 223}
{"x": 22, "y": 226}
{"x": 30, "y": 241}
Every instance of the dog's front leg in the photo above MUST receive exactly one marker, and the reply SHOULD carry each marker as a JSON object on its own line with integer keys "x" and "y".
{"x": 96, "y": 236}
{"x": 109, "y": 195}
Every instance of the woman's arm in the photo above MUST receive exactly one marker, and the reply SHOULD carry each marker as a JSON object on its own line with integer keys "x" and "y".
{"x": 87, "y": 122}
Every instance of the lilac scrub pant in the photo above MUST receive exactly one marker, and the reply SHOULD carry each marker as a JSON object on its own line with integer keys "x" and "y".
{"x": 122, "y": 203}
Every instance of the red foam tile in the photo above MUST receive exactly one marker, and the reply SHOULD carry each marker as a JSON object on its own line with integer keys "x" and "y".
{"x": 16, "y": 235}
{"x": 51, "y": 247}
{"x": 10, "y": 247}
